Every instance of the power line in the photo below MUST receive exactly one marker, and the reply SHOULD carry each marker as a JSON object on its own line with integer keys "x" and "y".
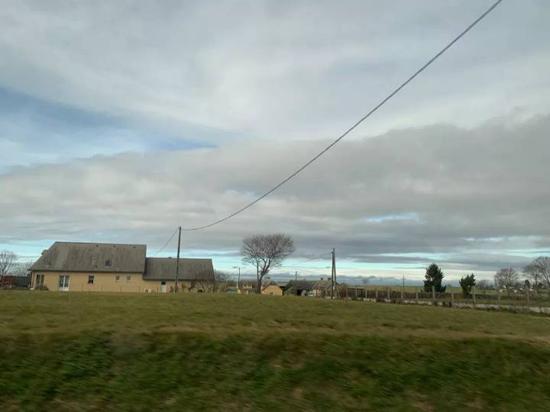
{"x": 354, "y": 126}
{"x": 167, "y": 242}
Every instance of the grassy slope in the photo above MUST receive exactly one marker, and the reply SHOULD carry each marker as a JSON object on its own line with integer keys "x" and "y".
{"x": 138, "y": 352}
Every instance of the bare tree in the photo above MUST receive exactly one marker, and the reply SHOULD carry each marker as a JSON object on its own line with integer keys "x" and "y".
{"x": 506, "y": 278}
{"x": 22, "y": 269}
{"x": 538, "y": 271}
{"x": 222, "y": 281}
{"x": 266, "y": 252}
{"x": 7, "y": 262}
{"x": 484, "y": 284}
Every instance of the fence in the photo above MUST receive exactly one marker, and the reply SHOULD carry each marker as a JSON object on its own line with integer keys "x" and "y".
{"x": 539, "y": 300}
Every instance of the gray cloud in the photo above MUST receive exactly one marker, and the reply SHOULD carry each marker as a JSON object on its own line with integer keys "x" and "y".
{"x": 477, "y": 197}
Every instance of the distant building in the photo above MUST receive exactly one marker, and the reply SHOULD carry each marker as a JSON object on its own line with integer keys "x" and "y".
{"x": 272, "y": 289}
{"x": 249, "y": 287}
{"x": 107, "y": 267}
{"x": 14, "y": 282}
{"x": 318, "y": 288}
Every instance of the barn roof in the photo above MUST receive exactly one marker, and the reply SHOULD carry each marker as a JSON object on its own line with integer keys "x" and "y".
{"x": 92, "y": 257}
{"x": 190, "y": 269}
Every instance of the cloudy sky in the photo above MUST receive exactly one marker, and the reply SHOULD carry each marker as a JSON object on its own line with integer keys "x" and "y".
{"x": 121, "y": 120}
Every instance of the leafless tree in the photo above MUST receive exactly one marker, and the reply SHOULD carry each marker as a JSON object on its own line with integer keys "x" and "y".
{"x": 484, "y": 284}
{"x": 22, "y": 269}
{"x": 506, "y": 278}
{"x": 538, "y": 271}
{"x": 266, "y": 252}
{"x": 201, "y": 285}
{"x": 222, "y": 281}
{"x": 7, "y": 262}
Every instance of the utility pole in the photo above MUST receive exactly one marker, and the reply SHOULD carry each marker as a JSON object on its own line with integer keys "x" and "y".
{"x": 178, "y": 261}
{"x": 258, "y": 284}
{"x": 296, "y": 276}
{"x": 333, "y": 274}
{"x": 239, "y": 277}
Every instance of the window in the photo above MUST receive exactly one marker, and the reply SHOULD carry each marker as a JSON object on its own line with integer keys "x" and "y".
{"x": 91, "y": 279}
{"x": 39, "y": 281}
{"x": 64, "y": 282}
{"x": 128, "y": 278}
{"x": 117, "y": 278}
{"x": 108, "y": 263}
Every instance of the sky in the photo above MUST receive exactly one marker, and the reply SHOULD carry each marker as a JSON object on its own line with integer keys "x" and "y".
{"x": 120, "y": 121}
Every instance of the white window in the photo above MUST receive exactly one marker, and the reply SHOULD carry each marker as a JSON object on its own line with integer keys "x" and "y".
{"x": 64, "y": 282}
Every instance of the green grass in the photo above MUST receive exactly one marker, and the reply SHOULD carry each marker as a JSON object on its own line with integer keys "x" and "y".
{"x": 233, "y": 353}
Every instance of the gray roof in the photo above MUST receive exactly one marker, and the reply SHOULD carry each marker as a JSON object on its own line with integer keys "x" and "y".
{"x": 308, "y": 284}
{"x": 92, "y": 257}
{"x": 190, "y": 269}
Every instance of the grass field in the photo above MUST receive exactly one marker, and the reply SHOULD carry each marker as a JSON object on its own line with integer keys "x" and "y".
{"x": 229, "y": 352}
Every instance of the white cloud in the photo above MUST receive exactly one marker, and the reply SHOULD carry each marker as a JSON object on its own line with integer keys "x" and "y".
{"x": 277, "y": 69}
{"x": 270, "y": 82}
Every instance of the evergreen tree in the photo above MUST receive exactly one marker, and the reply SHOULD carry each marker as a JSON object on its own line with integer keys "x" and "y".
{"x": 434, "y": 277}
{"x": 467, "y": 283}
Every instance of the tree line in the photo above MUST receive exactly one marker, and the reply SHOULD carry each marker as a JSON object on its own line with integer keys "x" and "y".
{"x": 534, "y": 276}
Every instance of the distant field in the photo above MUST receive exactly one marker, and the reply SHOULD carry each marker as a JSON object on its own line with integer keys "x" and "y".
{"x": 232, "y": 353}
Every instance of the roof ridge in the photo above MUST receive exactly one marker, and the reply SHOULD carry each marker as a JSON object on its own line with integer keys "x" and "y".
{"x": 100, "y": 243}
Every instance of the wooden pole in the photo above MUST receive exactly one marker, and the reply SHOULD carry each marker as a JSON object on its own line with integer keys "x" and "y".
{"x": 178, "y": 261}
{"x": 333, "y": 274}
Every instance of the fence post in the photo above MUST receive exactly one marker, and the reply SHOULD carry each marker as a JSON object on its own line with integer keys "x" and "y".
{"x": 376, "y": 294}
{"x": 474, "y": 295}
{"x": 498, "y": 297}
{"x": 389, "y": 294}
{"x": 401, "y": 295}
{"x": 452, "y": 298}
{"x": 528, "y": 297}
{"x": 416, "y": 296}
{"x": 433, "y": 295}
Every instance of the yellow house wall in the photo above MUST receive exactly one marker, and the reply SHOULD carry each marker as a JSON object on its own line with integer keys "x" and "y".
{"x": 272, "y": 290}
{"x": 103, "y": 282}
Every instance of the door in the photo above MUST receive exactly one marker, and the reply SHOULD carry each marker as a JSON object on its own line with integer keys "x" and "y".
{"x": 39, "y": 281}
{"x": 64, "y": 283}
{"x": 163, "y": 287}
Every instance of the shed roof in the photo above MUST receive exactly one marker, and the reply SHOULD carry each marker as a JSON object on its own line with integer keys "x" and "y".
{"x": 190, "y": 269}
{"x": 92, "y": 257}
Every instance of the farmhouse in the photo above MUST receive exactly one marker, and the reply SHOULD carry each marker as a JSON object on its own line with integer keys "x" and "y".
{"x": 107, "y": 267}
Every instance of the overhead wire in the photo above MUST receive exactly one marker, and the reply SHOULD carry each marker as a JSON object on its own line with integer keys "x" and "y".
{"x": 353, "y": 127}
{"x": 166, "y": 243}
